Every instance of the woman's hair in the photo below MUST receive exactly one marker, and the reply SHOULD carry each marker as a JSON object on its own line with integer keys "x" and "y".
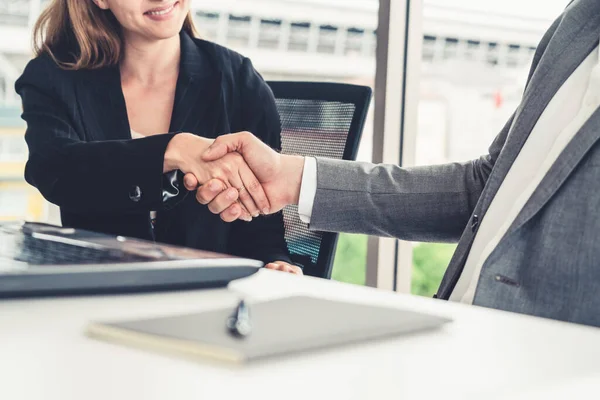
{"x": 77, "y": 34}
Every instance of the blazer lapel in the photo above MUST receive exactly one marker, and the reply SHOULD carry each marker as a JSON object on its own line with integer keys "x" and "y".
{"x": 197, "y": 94}
{"x": 562, "y": 168}
{"x": 575, "y": 38}
{"x": 105, "y": 111}
{"x": 198, "y": 91}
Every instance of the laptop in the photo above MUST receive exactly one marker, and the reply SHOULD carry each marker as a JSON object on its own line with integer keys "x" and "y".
{"x": 41, "y": 259}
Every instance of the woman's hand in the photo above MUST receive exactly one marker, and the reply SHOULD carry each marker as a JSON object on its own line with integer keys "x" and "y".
{"x": 284, "y": 267}
{"x": 184, "y": 152}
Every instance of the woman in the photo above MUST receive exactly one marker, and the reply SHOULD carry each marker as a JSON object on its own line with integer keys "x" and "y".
{"x": 121, "y": 101}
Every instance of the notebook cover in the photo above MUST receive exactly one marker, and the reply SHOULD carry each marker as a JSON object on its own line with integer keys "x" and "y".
{"x": 282, "y": 326}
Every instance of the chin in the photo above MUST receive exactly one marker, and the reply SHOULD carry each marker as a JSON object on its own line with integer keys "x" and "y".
{"x": 165, "y": 33}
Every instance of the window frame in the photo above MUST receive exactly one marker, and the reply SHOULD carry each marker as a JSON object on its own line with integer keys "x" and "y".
{"x": 399, "y": 58}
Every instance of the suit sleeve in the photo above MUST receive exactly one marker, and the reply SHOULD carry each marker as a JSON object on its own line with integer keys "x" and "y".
{"x": 264, "y": 237}
{"x": 80, "y": 176}
{"x": 425, "y": 204}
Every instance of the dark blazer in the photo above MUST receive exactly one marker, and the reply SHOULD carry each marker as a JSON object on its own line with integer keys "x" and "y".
{"x": 82, "y": 157}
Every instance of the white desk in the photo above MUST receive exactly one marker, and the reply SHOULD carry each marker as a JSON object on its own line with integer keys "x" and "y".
{"x": 483, "y": 354}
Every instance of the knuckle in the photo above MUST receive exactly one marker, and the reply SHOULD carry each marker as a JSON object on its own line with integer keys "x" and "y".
{"x": 254, "y": 185}
{"x": 200, "y": 198}
{"x": 244, "y": 196}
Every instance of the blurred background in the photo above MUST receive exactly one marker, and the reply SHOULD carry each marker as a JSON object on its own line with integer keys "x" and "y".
{"x": 474, "y": 62}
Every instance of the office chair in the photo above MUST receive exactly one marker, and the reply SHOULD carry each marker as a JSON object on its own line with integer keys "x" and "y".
{"x": 325, "y": 120}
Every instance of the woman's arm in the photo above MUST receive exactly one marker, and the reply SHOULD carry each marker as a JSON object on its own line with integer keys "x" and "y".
{"x": 264, "y": 237}
{"x": 99, "y": 177}
{"x": 102, "y": 176}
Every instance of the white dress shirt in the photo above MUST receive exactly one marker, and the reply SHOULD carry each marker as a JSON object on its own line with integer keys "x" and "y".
{"x": 564, "y": 116}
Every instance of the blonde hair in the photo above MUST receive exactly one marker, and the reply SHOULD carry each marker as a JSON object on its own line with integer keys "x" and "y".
{"x": 77, "y": 34}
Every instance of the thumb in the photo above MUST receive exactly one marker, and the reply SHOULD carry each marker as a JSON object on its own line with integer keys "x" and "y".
{"x": 221, "y": 146}
{"x": 190, "y": 182}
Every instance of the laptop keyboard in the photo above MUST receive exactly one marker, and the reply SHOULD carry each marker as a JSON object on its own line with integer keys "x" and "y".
{"x": 26, "y": 249}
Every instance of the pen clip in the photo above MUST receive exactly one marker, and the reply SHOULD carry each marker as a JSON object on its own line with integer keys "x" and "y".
{"x": 238, "y": 323}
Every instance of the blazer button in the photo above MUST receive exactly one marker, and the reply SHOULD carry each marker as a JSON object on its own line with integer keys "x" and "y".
{"x": 135, "y": 194}
{"x": 474, "y": 223}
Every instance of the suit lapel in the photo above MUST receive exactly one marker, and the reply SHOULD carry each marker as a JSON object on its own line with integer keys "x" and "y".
{"x": 565, "y": 164}
{"x": 575, "y": 38}
{"x": 198, "y": 90}
{"x": 106, "y": 112}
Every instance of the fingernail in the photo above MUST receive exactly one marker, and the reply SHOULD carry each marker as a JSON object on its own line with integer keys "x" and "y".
{"x": 231, "y": 195}
{"x": 256, "y": 214}
{"x": 265, "y": 210}
{"x": 214, "y": 186}
{"x": 247, "y": 218}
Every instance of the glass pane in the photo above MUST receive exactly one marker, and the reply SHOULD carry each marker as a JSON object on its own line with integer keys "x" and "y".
{"x": 476, "y": 57}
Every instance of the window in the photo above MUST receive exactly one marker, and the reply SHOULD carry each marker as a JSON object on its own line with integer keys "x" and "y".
{"x": 299, "y": 36}
{"x": 208, "y": 24}
{"x": 354, "y": 42}
{"x": 238, "y": 32}
{"x": 467, "y": 95}
{"x": 327, "y": 39}
{"x": 451, "y": 48}
{"x": 270, "y": 34}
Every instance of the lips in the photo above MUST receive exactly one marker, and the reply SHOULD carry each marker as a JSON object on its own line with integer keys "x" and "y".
{"x": 158, "y": 11}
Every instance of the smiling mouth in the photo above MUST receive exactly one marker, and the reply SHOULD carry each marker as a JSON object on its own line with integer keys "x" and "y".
{"x": 162, "y": 10}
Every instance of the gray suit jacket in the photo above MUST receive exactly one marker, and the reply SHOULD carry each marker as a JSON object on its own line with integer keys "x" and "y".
{"x": 548, "y": 263}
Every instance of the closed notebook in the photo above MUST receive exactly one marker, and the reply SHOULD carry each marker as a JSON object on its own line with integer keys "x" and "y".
{"x": 278, "y": 327}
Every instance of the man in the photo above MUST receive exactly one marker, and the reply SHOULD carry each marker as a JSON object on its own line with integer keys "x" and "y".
{"x": 526, "y": 214}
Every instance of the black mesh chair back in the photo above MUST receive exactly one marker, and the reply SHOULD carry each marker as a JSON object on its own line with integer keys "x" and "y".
{"x": 324, "y": 120}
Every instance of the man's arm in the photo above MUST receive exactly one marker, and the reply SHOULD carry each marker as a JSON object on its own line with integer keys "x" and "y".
{"x": 422, "y": 204}
{"x": 431, "y": 203}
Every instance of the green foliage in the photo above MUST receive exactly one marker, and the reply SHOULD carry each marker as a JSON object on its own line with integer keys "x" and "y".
{"x": 350, "y": 262}
{"x": 429, "y": 263}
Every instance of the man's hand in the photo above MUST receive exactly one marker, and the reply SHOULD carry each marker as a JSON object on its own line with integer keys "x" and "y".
{"x": 279, "y": 175}
{"x": 228, "y": 174}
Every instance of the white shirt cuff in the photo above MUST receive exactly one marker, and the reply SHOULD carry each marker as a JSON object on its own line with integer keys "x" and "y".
{"x": 308, "y": 189}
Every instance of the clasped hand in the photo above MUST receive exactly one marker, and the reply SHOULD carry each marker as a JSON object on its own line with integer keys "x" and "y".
{"x": 237, "y": 176}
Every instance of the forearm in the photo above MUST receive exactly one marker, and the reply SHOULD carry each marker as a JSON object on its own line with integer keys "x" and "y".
{"x": 418, "y": 204}
{"x": 108, "y": 176}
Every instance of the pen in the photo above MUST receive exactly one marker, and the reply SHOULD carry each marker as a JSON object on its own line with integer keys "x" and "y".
{"x": 238, "y": 324}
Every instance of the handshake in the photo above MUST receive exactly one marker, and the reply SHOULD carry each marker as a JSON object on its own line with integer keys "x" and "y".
{"x": 237, "y": 175}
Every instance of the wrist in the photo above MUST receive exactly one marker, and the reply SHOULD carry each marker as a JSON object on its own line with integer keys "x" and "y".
{"x": 172, "y": 158}
{"x": 293, "y": 168}
{"x": 177, "y": 153}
